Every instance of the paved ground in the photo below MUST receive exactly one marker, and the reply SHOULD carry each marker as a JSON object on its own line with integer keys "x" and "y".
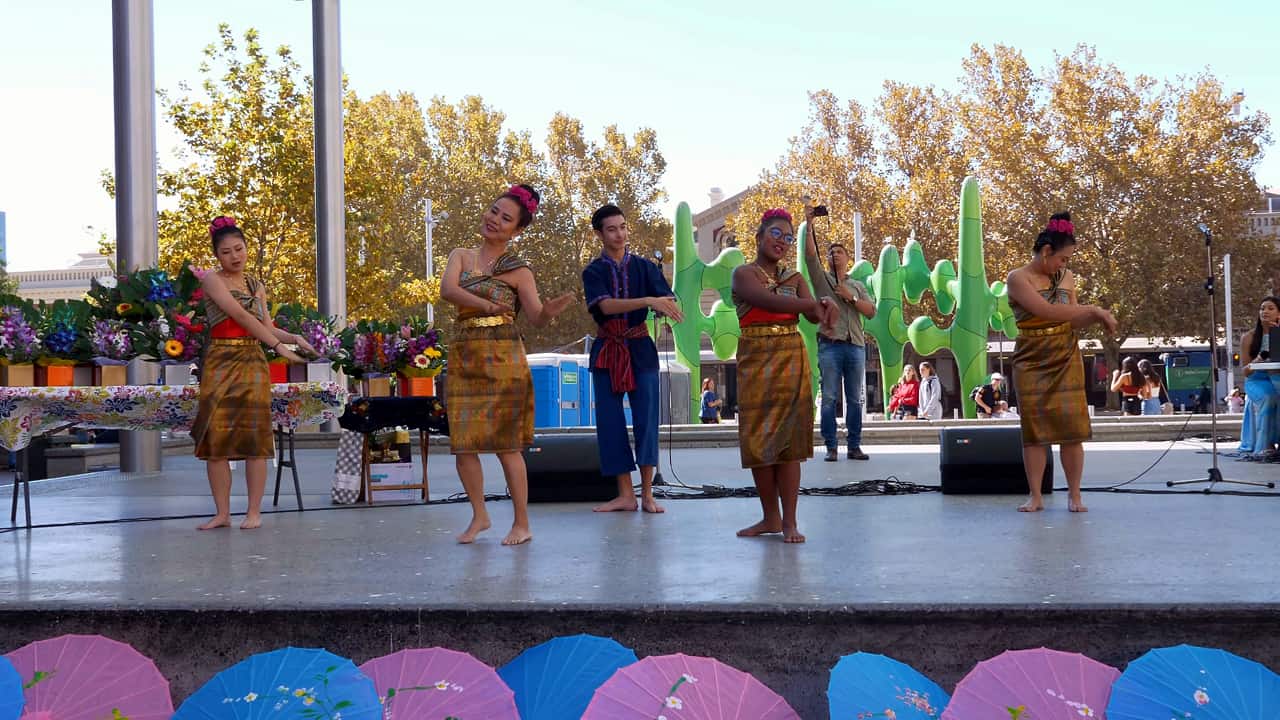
{"x": 909, "y": 551}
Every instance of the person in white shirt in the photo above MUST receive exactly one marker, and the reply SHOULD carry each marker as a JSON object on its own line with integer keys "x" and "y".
{"x": 930, "y": 405}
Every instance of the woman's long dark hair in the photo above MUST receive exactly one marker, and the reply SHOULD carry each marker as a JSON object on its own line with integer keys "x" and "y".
{"x": 1255, "y": 345}
{"x": 1129, "y": 365}
{"x": 1148, "y": 371}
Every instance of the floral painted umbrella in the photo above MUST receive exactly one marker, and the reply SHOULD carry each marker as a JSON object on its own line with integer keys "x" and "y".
{"x": 301, "y": 683}
{"x": 90, "y": 677}
{"x": 681, "y": 687}
{"x": 866, "y": 685}
{"x": 1195, "y": 683}
{"x": 1039, "y": 684}
{"x": 436, "y": 683}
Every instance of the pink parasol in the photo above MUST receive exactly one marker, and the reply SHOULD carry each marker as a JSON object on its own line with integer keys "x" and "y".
{"x": 681, "y": 687}
{"x": 90, "y": 677}
{"x": 1036, "y": 684}
{"x": 438, "y": 683}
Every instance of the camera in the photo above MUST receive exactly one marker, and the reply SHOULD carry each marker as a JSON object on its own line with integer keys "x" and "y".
{"x": 820, "y": 211}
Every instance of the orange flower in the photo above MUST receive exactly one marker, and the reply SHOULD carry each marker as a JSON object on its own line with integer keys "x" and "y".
{"x": 123, "y": 308}
{"x": 173, "y": 348}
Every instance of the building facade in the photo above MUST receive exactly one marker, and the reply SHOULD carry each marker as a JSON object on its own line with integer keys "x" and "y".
{"x": 66, "y": 284}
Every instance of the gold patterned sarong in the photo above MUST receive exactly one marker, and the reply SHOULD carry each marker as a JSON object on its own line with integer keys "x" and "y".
{"x": 489, "y": 391}
{"x": 1048, "y": 377}
{"x": 234, "y": 416}
{"x": 775, "y": 400}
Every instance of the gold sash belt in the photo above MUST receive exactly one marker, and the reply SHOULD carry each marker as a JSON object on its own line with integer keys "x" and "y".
{"x": 486, "y": 321}
{"x": 1059, "y": 329}
{"x": 767, "y": 330}
{"x": 234, "y": 341}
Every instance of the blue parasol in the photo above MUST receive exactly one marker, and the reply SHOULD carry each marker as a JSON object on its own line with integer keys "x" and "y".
{"x": 555, "y": 680}
{"x": 302, "y": 683}
{"x": 11, "y": 698}
{"x": 1194, "y": 683}
{"x": 866, "y": 685}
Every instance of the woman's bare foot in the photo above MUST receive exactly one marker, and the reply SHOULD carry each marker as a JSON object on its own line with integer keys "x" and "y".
{"x": 1076, "y": 504}
{"x": 477, "y": 526}
{"x": 519, "y": 535}
{"x": 651, "y": 506}
{"x": 622, "y": 503}
{"x": 792, "y": 535}
{"x": 220, "y": 521}
{"x": 252, "y": 521}
{"x": 1031, "y": 505}
{"x": 764, "y": 527}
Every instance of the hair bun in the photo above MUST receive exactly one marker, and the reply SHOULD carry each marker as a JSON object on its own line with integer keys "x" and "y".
{"x": 220, "y": 222}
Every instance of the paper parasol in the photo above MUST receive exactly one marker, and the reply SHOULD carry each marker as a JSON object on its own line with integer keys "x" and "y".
{"x": 681, "y": 687}
{"x": 283, "y": 685}
{"x": 1196, "y": 683}
{"x": 90, "y": 677}
{"x": 556, "y": 679}
{"x": 439, "y": 683}
{"x": 869, "y": 685}
{"x": 1038, "y": 684}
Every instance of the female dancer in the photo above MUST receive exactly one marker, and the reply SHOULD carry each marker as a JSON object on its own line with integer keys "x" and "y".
{"x": 930, "y": 407}
{"x": 233, "y": 421}
{"x": 1128, "y": 382}
{"x": 905, "y": 400}
{"x": 490, "y": 388}
{"x": 1153, "y": 392}
{"x": 1261, "y": 428}
{"x": 775, "y": 399}
{"x": 1048, "y": 372}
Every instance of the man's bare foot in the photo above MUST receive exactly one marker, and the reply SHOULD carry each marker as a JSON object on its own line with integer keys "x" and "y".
{"x": 622, "y": 503}
{"x": 518, "y": 536}
{"x": 477, "y": 526}
{"x": 220, "y": 521}
{"x": 651, "y": 506}
{"x": 1031, "y": 505}
{"x": 1076, "y": 504}
{"x": 764, "y": 527}
{"x": 252, "y": 521}
{"x": 792, "y": 535}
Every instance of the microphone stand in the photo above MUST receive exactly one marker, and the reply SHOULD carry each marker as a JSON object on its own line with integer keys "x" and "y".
{"x": 658, "y": 324}
{"x": 1215, "y": 474}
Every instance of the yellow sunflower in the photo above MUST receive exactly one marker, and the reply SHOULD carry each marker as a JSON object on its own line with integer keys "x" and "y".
{"x": 173, "y": 348}
{"x": 123, "y": 308}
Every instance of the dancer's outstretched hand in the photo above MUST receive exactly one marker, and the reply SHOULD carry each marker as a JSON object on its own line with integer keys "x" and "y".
{"x": 552, "y": 308}
{"x": 1108, "y": 320}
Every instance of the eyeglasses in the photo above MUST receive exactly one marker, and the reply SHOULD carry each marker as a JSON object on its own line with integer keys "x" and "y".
{"x": 777, "y": 233}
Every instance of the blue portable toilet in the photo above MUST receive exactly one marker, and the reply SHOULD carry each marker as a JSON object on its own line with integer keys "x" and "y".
{"x": 570, "y": 395}
{"x": 586, "y": 392}
{"x": 545, "y": 368}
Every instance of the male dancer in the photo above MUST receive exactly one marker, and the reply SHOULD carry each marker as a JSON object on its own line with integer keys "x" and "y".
{"x": 620, "y": 289}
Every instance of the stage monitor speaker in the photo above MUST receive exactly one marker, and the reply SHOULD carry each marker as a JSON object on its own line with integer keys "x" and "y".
{"x": 986, "y": 461}
{"x": 566, "y": 468}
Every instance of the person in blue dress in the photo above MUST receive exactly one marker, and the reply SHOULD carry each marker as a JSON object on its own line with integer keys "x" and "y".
{"x": 1261, "y": 428}
{"x": 621, "y": 289}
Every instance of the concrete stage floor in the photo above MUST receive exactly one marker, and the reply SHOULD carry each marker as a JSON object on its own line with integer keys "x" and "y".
{"x": 938, "y": 581}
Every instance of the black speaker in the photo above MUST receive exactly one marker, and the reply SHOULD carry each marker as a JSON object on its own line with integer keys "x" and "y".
{"x": 986, "y": 461}
{"x": 566, "y": 468}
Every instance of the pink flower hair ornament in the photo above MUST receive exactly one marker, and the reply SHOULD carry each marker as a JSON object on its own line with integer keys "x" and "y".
{"x": 220, "y": 222}
{"x": 775, "y": 213}
{"x": 1061, "y": 226}
{"x": 525, "y": 198}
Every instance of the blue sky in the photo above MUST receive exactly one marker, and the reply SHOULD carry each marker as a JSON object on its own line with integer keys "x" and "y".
{"x": 723, "y": 84}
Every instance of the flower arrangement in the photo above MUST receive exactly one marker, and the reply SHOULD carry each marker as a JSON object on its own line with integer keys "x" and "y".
{"x": 145, "y": 295}
{"x": 422, "y": 355}
{"x": 313, "y": 327}
{"x": 172, "y": 338}
{"x": 62, "y": 330}
{"x": 111, "y": 342}
{"x": 373, "y": 349}
{"x": 19, "y": 342}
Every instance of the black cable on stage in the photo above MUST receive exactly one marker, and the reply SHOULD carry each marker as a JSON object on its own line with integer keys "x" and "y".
{"x": 1109, "y": 488}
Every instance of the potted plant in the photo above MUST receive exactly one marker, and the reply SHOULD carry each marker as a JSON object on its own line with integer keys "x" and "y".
{"x": 372, "y": 353}
{"x": 19, "y": 342}
{"x": 421, "y": 359}
{"x": 64, "y": 341}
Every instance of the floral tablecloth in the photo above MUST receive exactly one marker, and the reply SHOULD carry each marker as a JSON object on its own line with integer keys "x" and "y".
{"x": 27, "y": 412}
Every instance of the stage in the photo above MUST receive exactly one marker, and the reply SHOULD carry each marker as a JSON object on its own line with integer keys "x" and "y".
{"x": 938, "y": 581}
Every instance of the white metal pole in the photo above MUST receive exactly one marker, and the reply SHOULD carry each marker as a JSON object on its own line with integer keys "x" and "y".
{"x": 431, "y": 308}
{"x": 857, "y": 236}
{"x": 1226, "y": 281}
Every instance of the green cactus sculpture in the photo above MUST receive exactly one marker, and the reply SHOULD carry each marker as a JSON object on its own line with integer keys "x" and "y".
{"x": 975, "y": 304}
{"x": 691, "y": 277}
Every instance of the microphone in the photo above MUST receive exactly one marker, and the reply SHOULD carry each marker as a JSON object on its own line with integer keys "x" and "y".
{"x": 657, "y": 255}
{"x": 1204, "y": 230}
